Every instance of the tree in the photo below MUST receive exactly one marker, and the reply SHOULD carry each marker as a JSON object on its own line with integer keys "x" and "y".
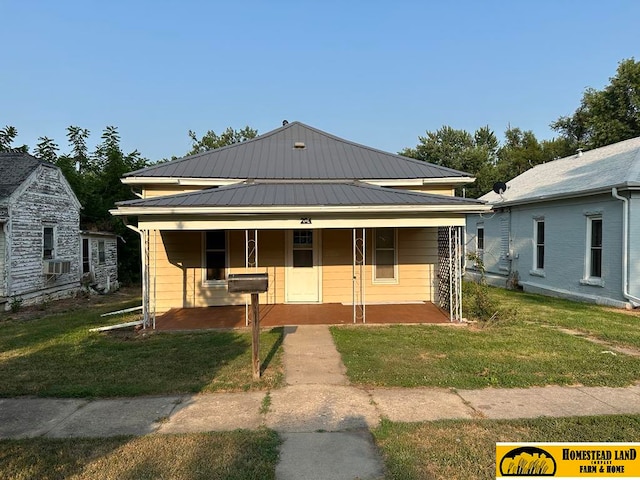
{"x": 212, "y": 140}
{"x": 7, "y": 135}
{"x": 460, "y": 150}
{"x": 606, "y": 116}
{"x": 46, "y": 149}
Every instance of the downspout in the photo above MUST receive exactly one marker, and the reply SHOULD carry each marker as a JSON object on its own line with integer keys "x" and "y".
{"x": 145, "y": 286}
{"x": 635, "y": 301}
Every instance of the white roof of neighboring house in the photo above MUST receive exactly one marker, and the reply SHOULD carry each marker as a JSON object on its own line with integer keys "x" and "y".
{"x": 594, "y": 171}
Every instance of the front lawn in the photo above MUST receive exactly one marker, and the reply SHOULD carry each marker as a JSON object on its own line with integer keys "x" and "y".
{"x": 57, "y": 356}
{"x": 465, "y": 449}
{"x": 612, "y": 325}
{"x": 238, "y": 455}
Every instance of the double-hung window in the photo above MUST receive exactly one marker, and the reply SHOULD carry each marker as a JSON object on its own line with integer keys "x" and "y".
{"x": 48, "y": 243}
{"x": 215, "y": 256}
{"x": 385, "y": 269}
{"x": 538, "y": 247}
{"x": 594, "y": 247}
{"x": 102, "y": 256}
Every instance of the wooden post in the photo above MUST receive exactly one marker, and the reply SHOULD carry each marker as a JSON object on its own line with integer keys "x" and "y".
{"x": 255, "y": 341}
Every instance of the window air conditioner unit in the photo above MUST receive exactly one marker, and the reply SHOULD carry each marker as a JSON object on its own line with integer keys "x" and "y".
{"x": 56, "y": 267}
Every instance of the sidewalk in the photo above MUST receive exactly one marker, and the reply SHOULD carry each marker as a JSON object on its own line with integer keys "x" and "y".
{"x": 323, "y": 420}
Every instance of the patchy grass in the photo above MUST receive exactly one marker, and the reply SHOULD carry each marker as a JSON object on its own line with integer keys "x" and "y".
{"x": 510, "y": 354}
{"x": 234, "y": 455}
{"x": 615, "y": 326}
{"x": 465, "y": 449}
{"x": 57, "y": 356}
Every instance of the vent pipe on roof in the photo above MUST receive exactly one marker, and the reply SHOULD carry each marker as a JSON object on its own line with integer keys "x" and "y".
{"x": 285, "y": 122}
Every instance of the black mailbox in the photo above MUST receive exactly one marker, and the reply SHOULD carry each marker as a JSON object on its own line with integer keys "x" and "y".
{"x": 248, "y": 282}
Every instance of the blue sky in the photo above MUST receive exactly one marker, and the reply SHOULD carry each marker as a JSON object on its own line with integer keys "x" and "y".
{"x": 378, "y": 73}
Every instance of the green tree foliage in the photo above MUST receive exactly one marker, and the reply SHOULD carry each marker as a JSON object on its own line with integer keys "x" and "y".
{"x": 212, "y": 140}
{"x": 7, "y": 135}
{"x": 475, "y": 154}
{"x": 606, "y": 116}
{"x": 46, "y": 149}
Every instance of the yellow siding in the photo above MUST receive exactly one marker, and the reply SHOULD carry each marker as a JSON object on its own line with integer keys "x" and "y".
{"x": 434, "y": 189}
{"x": 417, "y": 257}
{"x": 150, "y": 191}
{"x": 176, "y": 265}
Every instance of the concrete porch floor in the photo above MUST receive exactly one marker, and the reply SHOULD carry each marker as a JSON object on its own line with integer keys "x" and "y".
{"x": 298, "y": 314}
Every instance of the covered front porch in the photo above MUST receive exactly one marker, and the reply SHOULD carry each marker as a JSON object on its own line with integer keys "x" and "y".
{"x": 298, "y": 314}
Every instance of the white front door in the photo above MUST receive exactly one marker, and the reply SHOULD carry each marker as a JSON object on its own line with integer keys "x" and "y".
{"x": 303, "y": 266}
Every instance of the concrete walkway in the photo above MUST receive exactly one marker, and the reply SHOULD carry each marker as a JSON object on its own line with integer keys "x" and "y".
{"x": 323, "y": 420}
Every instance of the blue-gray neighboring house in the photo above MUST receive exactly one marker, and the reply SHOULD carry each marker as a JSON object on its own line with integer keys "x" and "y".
{"x": 568, "y": 228}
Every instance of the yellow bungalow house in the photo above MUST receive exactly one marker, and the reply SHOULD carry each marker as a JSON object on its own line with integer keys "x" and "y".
{"x": 329, "y": 221}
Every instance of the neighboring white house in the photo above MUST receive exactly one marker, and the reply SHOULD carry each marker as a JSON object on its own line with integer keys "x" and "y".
{"x": 40, "y": 243}
{"x": 567, "y": 228}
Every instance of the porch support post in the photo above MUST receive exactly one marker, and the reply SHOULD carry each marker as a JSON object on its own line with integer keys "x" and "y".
{"x": 358, "y": 274}
{"x": 144, "y": 247}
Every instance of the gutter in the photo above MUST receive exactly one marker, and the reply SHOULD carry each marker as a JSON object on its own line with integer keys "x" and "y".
{"x": 635, "y": 301}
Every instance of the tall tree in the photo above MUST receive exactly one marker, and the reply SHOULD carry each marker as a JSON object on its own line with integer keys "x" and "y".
{"x": 7, "y": 135}
{"x": 46, "y": 149}
{"x": 606, "y": 116}
{"x": 212, "y": 140}
{"x": 460, "y": 150}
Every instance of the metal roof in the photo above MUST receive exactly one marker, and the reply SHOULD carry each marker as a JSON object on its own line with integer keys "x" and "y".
{"x": 319, "y": 155}
{"x": 15, "y": 168}
{"x": 616, "y": 165}
{"x": 266, "y": 194}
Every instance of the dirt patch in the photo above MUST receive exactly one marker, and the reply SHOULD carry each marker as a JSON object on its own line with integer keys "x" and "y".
{"x": 79, "y": 302}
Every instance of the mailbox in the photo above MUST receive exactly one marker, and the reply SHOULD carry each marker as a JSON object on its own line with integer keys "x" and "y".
{"x": 247, "y": 282}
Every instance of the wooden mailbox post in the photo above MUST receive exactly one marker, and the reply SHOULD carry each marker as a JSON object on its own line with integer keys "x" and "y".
{"x": 253, "y": 283}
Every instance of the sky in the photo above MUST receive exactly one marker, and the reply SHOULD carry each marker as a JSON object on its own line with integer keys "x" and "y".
{"x": 377, "y": 73}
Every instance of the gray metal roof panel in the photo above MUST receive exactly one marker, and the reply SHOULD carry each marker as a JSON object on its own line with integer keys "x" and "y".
{"x": 298, "y": 194}
{"x": 273, "y": 156}
{"x": 602, "y": 168}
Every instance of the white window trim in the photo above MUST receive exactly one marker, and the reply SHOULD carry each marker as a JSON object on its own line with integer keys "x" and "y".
{"x": 535, "y": 271}
{"x": 387, "y": 281}
{"x": 587, "y": 279}
{"x": 54, "y": 250}
{"x": 203, "y": 255}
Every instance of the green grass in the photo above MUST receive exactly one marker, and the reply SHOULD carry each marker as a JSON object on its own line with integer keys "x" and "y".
{"x": 465, "y": 449}
{"x": 57, "y": 356}
{"x": 612, "y": 325}
{"x": 234, "y": 455}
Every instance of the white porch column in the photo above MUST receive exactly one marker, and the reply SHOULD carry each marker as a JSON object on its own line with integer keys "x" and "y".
{"x": 359, "y": 277}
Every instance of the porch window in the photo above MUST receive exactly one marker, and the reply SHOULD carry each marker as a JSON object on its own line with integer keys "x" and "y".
{"x": 538, "y": 250}
{"x": 480, "y": 239}
{"x": 594, "y": 251}
{"x": 48, "y": 243}
{"x": 303, "y": 248}
{"x": 215, "y": 256}
{"x": 385, "y": 261}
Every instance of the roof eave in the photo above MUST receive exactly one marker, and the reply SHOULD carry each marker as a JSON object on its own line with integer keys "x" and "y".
{"x": 137, "y": 211}
{"x": 562, "y": 196}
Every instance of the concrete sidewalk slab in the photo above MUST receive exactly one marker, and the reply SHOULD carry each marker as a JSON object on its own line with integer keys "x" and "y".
{"x": 113, "y": 417}
{"x": 311, "y": 408}
{"x": 551, "y": 401}
{"x": 310, "y": 357}
{"x": 33, "y": 417}
{"x": 329, "y": 456}
{"x": 419, "y": 404}
{"x": 622, "y": 400}
{"x": 215, "y": 412}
